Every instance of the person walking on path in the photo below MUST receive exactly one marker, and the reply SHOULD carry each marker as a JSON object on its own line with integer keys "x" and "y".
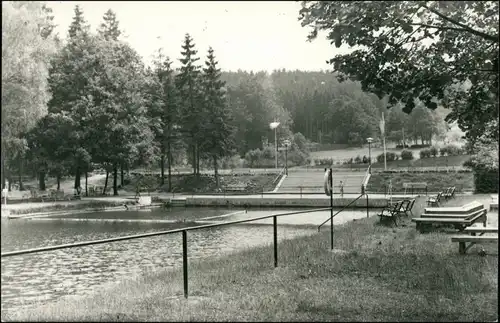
{"x": 341, "y": 189}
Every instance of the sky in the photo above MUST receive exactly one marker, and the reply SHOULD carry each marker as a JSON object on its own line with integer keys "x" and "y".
{"x": 260, "y": 35}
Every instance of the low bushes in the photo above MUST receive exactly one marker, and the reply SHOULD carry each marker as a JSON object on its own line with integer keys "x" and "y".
{"x": 449, "y": 150}
{"x": 406, "y": 155}
{"x": 390, "y": 156}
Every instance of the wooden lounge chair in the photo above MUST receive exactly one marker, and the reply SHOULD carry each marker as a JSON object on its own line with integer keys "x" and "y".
{"x": 480, "y": 230}
{"x": 392, "y": 211}
{"x": 407, "y": 207}
{"x": 459, "y": 221}
{"x": 450, "y": 193}
{"x": 434, "y": 200}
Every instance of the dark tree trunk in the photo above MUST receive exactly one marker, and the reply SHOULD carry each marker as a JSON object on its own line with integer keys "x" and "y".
{"x": 21, "y": 186}
{"x": 122, "y": 173}
{"x": 169, "y": 157}
{"x": 3, "y": 170}
{"x": 86, "y": 183}
{"x": 105, "y": 183}
{"x": 58, "y": 179}
{"x": 197, "y": 160}
{"x": 77, "y": 178}
{"x": 215, "y": 172}
{"x": 115, "y": 180}
{"x": 41, "y": 180}
{"x": 194, "y": 160}
{"x": 162, "y": 166}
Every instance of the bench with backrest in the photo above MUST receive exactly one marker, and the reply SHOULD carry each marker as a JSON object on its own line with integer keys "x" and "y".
{"x": 434, "y": 200}
{"x": 449, "y": 193}
{"x": 460, "y": 222}
{"x": 464, "y": 209}
{"x": 392, "y": 211}
{"x": 464, "y": 239}
{"x": 415, "y": 186}
{"x": 407, "y": 207}
{"x": 235, "y": 188}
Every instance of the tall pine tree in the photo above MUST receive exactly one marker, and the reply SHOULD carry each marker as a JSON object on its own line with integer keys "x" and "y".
{"x": 163, "y": 108}
{"x": 79, "y": 25}
{"x": 109, "y": 29}
{"x": 188, "y": 85}
{"x": 216, "y": 122}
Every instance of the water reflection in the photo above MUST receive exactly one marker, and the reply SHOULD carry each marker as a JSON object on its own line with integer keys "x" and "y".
{"x": 77, "y": 271}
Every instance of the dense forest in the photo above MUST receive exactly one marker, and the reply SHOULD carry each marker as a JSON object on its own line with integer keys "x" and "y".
{"x": 89, "y": 101}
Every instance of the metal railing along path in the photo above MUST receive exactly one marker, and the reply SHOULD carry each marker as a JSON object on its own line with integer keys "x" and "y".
{"x": 184, "y": 240}
{"x": 342, "y": 209}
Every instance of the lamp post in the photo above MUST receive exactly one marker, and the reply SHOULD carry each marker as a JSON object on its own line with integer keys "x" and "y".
{"x": 370, "y": 139}
{"x": 274, "y": 125}
{"x": 286, "y": 143}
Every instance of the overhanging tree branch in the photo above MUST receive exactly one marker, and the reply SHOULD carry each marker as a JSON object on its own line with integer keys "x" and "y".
{"x": 481, "y": 34}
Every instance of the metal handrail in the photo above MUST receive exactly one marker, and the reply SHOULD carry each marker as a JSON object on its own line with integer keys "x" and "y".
{"x": 342, "y": 209}
{"x": 145, "y": 235}
{"x": 184, "y": 240}
{"x": 279, "y": 174}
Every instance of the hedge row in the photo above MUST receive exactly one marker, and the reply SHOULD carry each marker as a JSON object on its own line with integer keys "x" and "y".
{"x": 450, "y": 150}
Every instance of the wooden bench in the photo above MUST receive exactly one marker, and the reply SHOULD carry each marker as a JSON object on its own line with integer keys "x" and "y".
{"x": 453, "y": 215}
{"x": 459, "y": 223}
{"x": 449, "y": 193}
{"x": 462, "y": 241}
{"x": 494, "y": 202}
{"x": 434, "y": 200}
{"x": 235, "y": 188}
{"x": 418, "y": 186}
{"x": 480, "y": 230}
{"x": 392, "y": 211}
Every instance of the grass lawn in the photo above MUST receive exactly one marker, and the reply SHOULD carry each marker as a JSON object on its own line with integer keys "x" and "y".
{"x": 435, "y": 181}
{"x": 376, "y": 273}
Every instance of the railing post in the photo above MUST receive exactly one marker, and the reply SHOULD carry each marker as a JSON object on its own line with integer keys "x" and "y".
{"x": 367, "y": 207}
{"x": 275, "y": 240}
{"x": 330, "y": 180}
{"x": 185, "y": 262}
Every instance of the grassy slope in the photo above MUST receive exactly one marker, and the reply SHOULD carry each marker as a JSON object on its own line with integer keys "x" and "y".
{"x": 435, "y": 181}
{"x": 384, "y": 274}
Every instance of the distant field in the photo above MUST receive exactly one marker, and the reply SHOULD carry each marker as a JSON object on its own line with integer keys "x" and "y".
{"x": 445, "y": 161}
{"x": 347, "y": 153}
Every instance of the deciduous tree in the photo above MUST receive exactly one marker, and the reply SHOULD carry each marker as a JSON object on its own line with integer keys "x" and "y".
{"x": 442, "y": 52}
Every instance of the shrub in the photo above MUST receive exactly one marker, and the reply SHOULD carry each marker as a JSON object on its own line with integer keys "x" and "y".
{"x": 357, "y": 160}
{"x": 420, "y": 146}
{"x": 425, "y": 153}
{"x": 433, "y": 151}
{"x": 391, "y": 156}
{"x": 380, "y": 158}
{"x": 406, "y": 155}
{"x": 485, "y": 181}
{"x": 443, "y": 151}
{"x": 452, "y": 150}
{"x": 253, "y": 157}
{"x": 402, "y": 146}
